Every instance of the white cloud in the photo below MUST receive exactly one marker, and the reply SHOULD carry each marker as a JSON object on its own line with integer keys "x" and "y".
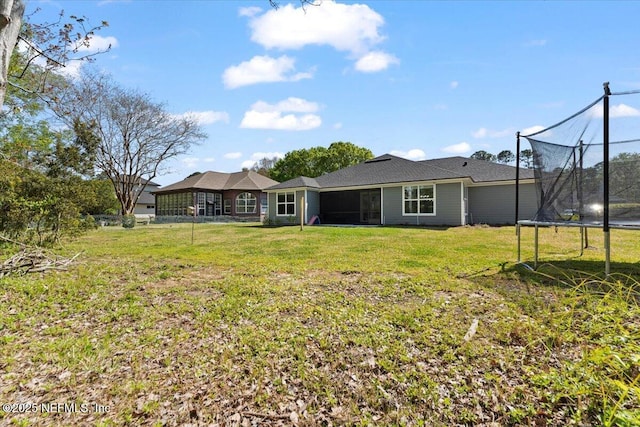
{"x": 353, "y": 28}
{"x": 95, "y": 44}
{"x": 275, "y": 120}
{"x": 375, "y": 61}
{"x": 271, "y": 116}
{"x": 615, "y": 111}
{"x": 262, "y": 69}
{"x": 206, "y": 117}
{"x": 454, "y": 84}
{"x": 293, "y": 104}
{"x": 337, "y": 125}
{"x": 623, "y": 110}
{"x": 190, "y": 162}
{"x": 234, "y": 155}
{"x": 487, "y": 133}
{"x": 255, "y": 157}
{"x": 413, "y": 154}
{"x": 531, "y": 130}
{"x": 247, "y": 164}
{"x": 249, "y": 11}
{"x": 480, "y": 133}
{"x": 460, "y": 148}
{"x": 71, "y": 69}
{"x": 269, "y": 155}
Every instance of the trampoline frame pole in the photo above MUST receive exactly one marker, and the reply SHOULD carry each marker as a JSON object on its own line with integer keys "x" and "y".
{"x": 517, "y": 179}
{"x": 535, "y": 248}
{"x": 605, "y": 177}
{"x": 518, "y": 234}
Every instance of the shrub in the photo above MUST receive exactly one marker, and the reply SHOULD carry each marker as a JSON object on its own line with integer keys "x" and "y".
{"x": 129, "y": 221}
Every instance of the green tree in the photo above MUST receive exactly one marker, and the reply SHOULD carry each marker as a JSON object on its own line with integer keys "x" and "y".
{"x": 483, "y": 155}
{"x": 315, "y": 161}
{"x": 526, "y": 158}
{"x": 40, "y": 208}
{"x": 624, "y": 177}
{"x": 45, "y": 193}
{"x": 505, "y": 157}
{"x": 343, "y": 154}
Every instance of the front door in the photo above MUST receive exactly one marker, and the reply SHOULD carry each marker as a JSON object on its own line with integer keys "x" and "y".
{"x": 370, "y": 206}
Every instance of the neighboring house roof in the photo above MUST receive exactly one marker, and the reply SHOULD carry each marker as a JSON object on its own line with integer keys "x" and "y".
{"x": 390, "y": 169}
{"x": 142, "y": 180}
{"x": 149, "y": 183}
{"x": 246, "y": 180}
{"x": 146, "y": 198}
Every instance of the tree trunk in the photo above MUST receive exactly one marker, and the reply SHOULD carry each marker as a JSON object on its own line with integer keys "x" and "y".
{"x": 11, "y": 12}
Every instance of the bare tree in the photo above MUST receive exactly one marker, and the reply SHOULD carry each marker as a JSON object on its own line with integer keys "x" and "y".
{"x": 50, "y": 46}
{"x": 134, "y": 136}
{"x": 11, "y": 12}
{"x": 264, "y": 166}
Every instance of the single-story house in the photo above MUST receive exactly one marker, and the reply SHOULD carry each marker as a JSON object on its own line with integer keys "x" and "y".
{"x": 239, "y": 194}
{"x": 146, "y": 203}
{"x": 391, "y": 190}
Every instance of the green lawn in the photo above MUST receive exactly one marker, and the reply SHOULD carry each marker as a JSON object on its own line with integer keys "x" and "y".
{"x": 326, "y": 326}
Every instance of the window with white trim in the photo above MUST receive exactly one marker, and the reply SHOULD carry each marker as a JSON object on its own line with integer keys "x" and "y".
{"x": 264, "y": 203}
{"x": 286, "y": 203}
{"x": 227, "y": 206}
{"x": 418, "y": 200}
{"x": 246, "y": 203}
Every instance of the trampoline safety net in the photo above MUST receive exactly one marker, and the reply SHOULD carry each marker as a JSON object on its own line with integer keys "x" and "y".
{"x": 568, "y": 160}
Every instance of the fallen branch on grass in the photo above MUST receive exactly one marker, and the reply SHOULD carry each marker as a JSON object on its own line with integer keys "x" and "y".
{"x": 34, "y": 260}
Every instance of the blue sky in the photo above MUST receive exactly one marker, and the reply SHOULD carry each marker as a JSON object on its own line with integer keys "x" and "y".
{"x": 419, "y": 79}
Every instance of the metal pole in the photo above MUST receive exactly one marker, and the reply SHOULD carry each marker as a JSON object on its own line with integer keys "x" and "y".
{"x": 193, "y": 220}
{"x": 605, "y": 177}
{"x": 535, "y": 246}
{"x": 585, "y": 242}
{"x": 518, "y": 234}
{"x": 517, "y": 175}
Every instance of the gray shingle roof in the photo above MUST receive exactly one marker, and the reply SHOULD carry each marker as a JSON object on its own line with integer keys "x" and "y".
{"x": 479, "y": 170}
{"x": 146, "y": 198}
{"x": 246, "y": 180}
{"x": 390, "y": 169}
{"x": 301, "y": 181}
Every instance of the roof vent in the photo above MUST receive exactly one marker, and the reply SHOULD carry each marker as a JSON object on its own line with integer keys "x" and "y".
{"x": 378, "y": 160}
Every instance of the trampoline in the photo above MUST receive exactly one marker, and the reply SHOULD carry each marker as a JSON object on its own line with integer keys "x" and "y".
{"x": 587, "y": 170}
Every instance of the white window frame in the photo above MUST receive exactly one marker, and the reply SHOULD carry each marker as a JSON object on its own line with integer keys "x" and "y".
{"x": 227, "y": 207}
{"x": 243, "y": 203}
{"x": 264, "y": 203}
{"x": 285, "y": 203}
{"x": 419, "y": 186}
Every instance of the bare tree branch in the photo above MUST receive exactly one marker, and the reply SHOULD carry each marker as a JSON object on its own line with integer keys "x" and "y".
{"x": 137, "y": 136}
